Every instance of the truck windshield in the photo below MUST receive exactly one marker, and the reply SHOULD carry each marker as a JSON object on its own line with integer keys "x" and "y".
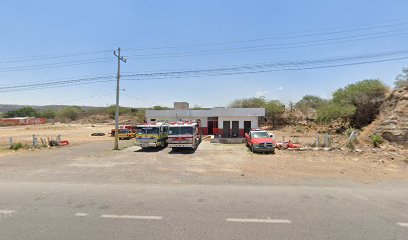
{"x": 178, "y": 130}
{"x": 147, "y": 130}
{"x": 259, "y": 135}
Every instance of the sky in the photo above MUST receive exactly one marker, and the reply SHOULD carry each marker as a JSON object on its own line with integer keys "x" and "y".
{"x": 48, "y": 41}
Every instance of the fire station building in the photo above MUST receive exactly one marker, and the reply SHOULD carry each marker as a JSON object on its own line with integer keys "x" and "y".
{"x": 226, "y": 122}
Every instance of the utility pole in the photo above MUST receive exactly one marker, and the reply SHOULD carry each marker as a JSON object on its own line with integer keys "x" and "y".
{"x": 116, "y": 145}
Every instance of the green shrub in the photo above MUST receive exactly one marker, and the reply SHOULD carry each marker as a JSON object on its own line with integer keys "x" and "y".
{"x": 376, "y": 140}
{"x": 348, "y": 131}
{"x": 22, "y": 112}
{"x": 299, "y": 130}
{"x": 351, "y": 145}
{"x": 333, "y": 112}
{"x": 16, "y": 146}
{"x": 49, "y": 114}
{"x": 365, "y": 97}
{"x": 71, "y": 113}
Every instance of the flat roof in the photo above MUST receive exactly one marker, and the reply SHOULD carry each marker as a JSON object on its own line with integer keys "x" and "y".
{"x": 214, "y": 112}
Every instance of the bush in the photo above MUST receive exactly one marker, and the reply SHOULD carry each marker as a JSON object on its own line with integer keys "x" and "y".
{"x": 365, "y": 96}
{"x": 348, "y": 131}
{"x": 22, "y": 112}
{"x": 111, "y": 111}
{"x": 16, "y": 146}
{"x": 49, "y": 114}
{"x": 71, "y": 113}
{"x": 274, "y": 109}
{"x": 309, "y": 102}
{"x": 377, "y": 140}
{"x": 334, "y": 112}
{"x": 402, "y": 79}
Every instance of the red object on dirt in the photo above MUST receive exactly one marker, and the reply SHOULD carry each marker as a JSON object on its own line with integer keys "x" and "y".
{"x": 285, "y": 145}
{"x": 63, "y": 143}
{"x": 291, "y": 145}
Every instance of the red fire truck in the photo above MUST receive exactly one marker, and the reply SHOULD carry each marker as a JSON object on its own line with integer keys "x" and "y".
{"x": 184, "y": 134}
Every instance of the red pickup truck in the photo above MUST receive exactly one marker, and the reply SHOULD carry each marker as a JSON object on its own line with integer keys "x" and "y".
{"x": 260, "y": 141}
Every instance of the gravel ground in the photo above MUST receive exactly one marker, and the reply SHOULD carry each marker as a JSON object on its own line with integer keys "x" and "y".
{"x": 211, "y": 163}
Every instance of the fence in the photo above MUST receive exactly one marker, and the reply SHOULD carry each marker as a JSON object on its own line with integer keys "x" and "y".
{"x": 316, "y": 140}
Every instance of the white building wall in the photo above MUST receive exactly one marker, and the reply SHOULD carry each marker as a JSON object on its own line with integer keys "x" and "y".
{"x": 254, "y": 121}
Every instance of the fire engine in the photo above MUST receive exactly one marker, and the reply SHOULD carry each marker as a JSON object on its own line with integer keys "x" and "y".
{"x": 184, "y": 134}
{"x": 152, "y": 135}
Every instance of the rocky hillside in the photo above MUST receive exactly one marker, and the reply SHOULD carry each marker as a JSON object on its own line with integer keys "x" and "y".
{"x": 392, "y": 124}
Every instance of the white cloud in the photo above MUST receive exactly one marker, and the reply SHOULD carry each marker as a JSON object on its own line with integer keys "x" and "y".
{"x": 280, "y": 88}
{"x": 261, "y": 93}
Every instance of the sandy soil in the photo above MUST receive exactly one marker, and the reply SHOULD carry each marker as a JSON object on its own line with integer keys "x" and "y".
{"x": 214, "y": 160}
{"x": 74, "y": 133}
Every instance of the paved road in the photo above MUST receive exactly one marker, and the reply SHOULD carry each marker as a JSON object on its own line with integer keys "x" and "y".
{"x": 92, "y": 211}
{"x": 90, "y": 192}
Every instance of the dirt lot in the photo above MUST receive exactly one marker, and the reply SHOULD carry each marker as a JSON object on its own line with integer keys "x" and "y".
{"x": 74, "y": 133}
{"x": 233, "y": 162}
{"x": 211, "y": 163}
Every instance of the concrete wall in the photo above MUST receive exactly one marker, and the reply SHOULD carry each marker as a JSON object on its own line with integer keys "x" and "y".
{"x": 223, "y": 114}
{"x": 254, "y": 121}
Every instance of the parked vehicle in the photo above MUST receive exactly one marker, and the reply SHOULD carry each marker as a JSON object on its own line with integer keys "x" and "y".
{"x": 260, "y": 141}
{"x": 125, "y": 134}
{"x": 152, "y": 135}
{"x": 184, "y": 135}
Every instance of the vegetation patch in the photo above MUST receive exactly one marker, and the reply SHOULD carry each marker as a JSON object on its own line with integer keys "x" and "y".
{"x": 16, "y": 146}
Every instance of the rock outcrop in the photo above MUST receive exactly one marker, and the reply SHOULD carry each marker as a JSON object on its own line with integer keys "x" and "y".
{"x": 394, "y": 117}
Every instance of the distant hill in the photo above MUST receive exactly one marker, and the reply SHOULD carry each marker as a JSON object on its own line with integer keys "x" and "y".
{"x": 11, "y": 107}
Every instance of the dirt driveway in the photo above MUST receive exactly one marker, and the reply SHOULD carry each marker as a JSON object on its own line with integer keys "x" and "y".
{"x": 211, "y": 163}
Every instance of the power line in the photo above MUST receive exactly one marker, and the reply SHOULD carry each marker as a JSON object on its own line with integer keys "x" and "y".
{"x": 55, "y": 65}
{"x": 139, "y": 99}
{"x": 275, "y": 64}
{"x": 52, "y": 84}
{"x": 82, "y": 98}
{"x": 46, "y": 57}
{"x": 266, "y": 47}
{"x": 293, "y": 68}
{"x": 280, "y": 36}
{"x": 329, "y": 62}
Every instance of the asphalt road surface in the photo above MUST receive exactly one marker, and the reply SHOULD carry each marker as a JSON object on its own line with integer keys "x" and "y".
{"x": 50, "y": 195}
{"x": 81, "y": 211}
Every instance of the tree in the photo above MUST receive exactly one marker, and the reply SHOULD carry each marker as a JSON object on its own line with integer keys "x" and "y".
{"x": 310, "y": 102}
{"x": 402, "y": 79}
{"x": 111, "y": 111}
{"x": 160, "y": 108}
{"x": 139, "y": 115}
{"x": 22, "y": 112}
{"x": 49, "y": 114}
{"x": 334, "y": 112}
{"x": 366, "y": 96}
{"x": 197, "y": 107}
{"x": 255, "y": 102}
{"x": 274, "y": 110}
{"x": 71, "y": 113}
